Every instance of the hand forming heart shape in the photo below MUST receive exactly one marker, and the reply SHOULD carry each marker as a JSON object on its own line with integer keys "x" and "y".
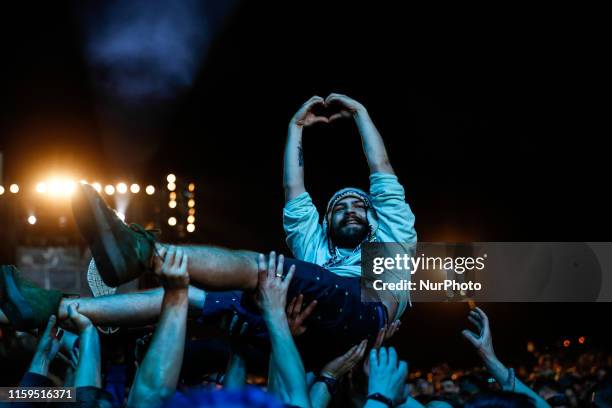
{"x": 319, "y": 110}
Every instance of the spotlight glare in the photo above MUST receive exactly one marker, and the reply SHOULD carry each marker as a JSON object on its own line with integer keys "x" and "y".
{"x": 191, "y": 219}
{"x": 191, "y": 211}
{"x": 150, "y": 190}
{"x": 191, "y": 203}
{"x": 31, "y": 220}
{"x": 97, "y": 186}
{"x": 171, "y": 186}
{"x": 41, "y": 187}
{"x": 55, "y": 188}
{"x": 109, "y": 189}
{"x": 14, "y": 188}
{"x": 171, "y": 178}
{"x": 135, "y": 188}
{"x": 121, "y": 216}
{"x": 191, "y": 187}
{"x": 172, "y": 221}
{"x": 172, "y": 204}
{"x": 68, "y": 187}
{"x": 1, "y": 190}
{"x": 122, "y": 188}
{"x": 173, "y": 195}
{"x": 190, "y": 227}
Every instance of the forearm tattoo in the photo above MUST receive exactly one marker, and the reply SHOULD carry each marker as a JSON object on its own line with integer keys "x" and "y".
{"x": 300, "y": 156}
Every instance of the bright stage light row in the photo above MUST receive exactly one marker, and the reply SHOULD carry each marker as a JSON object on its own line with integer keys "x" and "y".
{"x": 122, "y": 188}
{"x": 67, "y": 187}
{"x": 13, "y": 188}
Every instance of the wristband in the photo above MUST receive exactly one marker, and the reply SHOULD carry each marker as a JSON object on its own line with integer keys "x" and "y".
{"x": 331, "y": 383}
{"x": 377, "y": 396}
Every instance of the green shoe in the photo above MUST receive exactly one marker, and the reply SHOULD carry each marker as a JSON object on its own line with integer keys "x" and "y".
{"x": 122, "y": 252}
{"x": 26, "y": 305}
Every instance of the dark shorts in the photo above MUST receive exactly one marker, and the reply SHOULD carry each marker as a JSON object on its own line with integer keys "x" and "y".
{"x": 339, "y": 320}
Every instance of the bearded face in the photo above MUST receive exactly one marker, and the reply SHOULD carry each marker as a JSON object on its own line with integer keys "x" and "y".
{"x": 349, "y": 223}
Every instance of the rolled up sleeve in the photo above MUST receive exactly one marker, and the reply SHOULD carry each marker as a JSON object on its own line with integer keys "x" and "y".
{"x": 303, "y": 232}
{"x": 395, "y": 218}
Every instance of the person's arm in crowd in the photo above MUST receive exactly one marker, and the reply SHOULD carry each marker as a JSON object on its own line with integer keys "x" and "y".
{"x": 88, "y": 370}
{"x": 384, "y": 334}
{"x": 296, "y": 316}
{"x": 276, "y": 386}
{"x": 285, "y": 359}
{"x": 373, "y": 145}
{"x": 324, "y": 385}
{"x": 483, "y": 343}
{"x": 46, "y": 350}
{"x": 387, "y": 379}
{"x": 158, "y": 374}
{"x": 236, "y": 372}
{"x": 293, "y": 176}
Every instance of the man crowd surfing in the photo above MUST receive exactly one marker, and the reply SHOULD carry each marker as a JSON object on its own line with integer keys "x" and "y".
{"x": 299, "y": 322}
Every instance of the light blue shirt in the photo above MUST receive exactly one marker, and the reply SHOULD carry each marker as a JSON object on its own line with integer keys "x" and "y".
{"x": 309, "y": 243}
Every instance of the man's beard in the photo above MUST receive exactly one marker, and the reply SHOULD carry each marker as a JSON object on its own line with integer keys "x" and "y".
{"x": 349, "y": 238}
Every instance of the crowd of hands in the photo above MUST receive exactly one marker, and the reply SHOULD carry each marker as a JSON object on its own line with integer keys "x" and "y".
{"x": 384, "y": 374}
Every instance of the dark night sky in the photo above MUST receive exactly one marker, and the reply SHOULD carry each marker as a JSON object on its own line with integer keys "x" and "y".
{"x": 493, "y": 118}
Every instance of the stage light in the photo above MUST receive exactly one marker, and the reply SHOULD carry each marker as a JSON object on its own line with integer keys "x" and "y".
{"x": 83, "y": 182}
{"x": 150, "y": 190}
{"x": 191, "y": 219}
{"x": 191, "y": 211}
{"x": 68, "y": 187}
{"x": 530, "y": 347}
{"x": 171, "y": 186}
{"x": 172, "y": 221}
{"x": 122, "y": 188}
{"x": 190, "y": 227}
{"x": 581, "y": 339}
{"x": 135, "y": 188}
{"x": 41, "y": 187}
{"x": 191, "y": 187}
{"x": 171, "y": 178}
{"x": 97, "y": 187}
{"x": 172, "y": 204}
{"x": 109, "y": 189}
{"x": 191, "y": 203}
{"x": 121, "y": 216}
{"x": 55, "y": 187}
{"x": 173, "y": 195}
{"x": 566, "y": 343}
{"x": 1, "y": 190}
{"x": 14, "y": 188}
{"x": 31, "y": 220}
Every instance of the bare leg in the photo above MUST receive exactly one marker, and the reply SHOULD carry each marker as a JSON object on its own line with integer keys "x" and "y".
{"x": 218, "y": 268}
{"x": 128, "y": 309}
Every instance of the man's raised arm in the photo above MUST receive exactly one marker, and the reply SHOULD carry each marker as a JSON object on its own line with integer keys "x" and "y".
{"x": 293, "y": 176}
{"x": 373, "y": 145}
